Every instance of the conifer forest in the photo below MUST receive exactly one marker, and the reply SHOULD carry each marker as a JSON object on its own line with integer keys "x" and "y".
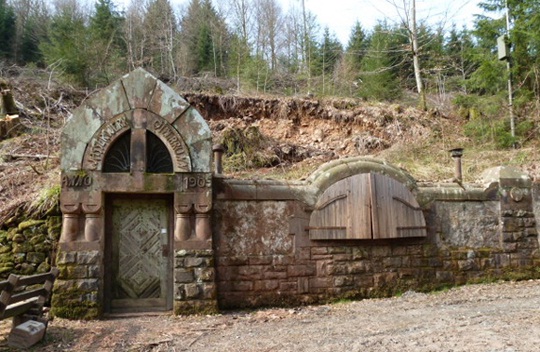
{"x": 258, "y": 47}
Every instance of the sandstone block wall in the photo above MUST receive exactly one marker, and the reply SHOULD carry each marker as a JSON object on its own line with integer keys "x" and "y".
{"x": 264, "y": 255}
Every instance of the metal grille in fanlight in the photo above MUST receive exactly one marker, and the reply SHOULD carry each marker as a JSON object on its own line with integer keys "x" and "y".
{"x": 118, "y": 158}
{"x": 158, "y": 157}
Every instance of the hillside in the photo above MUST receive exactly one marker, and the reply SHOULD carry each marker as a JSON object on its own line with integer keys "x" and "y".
{"x": 265, "y": 137}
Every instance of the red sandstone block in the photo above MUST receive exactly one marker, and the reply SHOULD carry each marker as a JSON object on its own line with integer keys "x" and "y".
{"x": 250, "y": 272}
{"x": 320, "y": 282}
{"x": 265, "y": 285}
{"x": 381, "y": 251}
{"x": 363, "y": 281}
{"x": 399, "y": 251}
{"x": 288, "y": 286}
{"x": 319, "y": 250}
{"x": 274, "y": 275}
{"x": 282, "y": 260}
{"x": 242, "y": 286}
{"x": 359, "y": 267}
{"x": 322, "y": 267}
{"x": 302, "y": 254}
{"x": 339, "y": 250}
{"x": 322, "y": 257}
{"x": 232, "y": 261}
{"x": 301, "y": 270}
{"x": 415, "y": 250}
{"x": 262, "y": 260}
{"x": 342, "y": 257}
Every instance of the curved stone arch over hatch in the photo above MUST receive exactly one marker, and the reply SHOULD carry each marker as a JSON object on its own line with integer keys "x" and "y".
{"x": 365, "y": 199}
{"x": 155, "y": 202}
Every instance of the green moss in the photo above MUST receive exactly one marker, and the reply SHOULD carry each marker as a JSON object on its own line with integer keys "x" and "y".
{"x": 6, "y": 258}
{"x": 54, "y": 227}
{"x": 40, "y": 238}
{"x": 195, "y": 307}
{"x": 76, "y": 313}
{"x": 24, "y": 247}
{"x": 30, "y": 223}
{"x": 43, "y": 267}
{"x": 68, "y": 303}
{"x": 5, "y": 270}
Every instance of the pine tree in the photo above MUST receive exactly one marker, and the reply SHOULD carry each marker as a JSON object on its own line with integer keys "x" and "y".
{"x": 7, "y": 30}
{"x": 106, "y": 49}
{"x": 68, "y": 42}
{"x": 378, "y": 78}
{"x": 161, "y": 30}
{"x": 356, "y": 47}
{"x": 204, "y": 38}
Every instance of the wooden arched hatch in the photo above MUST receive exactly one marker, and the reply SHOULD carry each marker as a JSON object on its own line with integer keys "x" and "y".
{"x": 366, "y": 206}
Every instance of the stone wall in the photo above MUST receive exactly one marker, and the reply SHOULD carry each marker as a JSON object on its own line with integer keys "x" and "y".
{"x": 78, "y": 287}
{"x": 479, "y": 233}
{"x": 194, "y": 287}
{"x": 28, "y": 246}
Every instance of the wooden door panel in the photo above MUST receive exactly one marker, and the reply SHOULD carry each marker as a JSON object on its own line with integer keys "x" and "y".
{"x": 395, "y": 211}
{"x": 360, "y": 207}
{"x": 343, "y": 211}
{"x": 366, "y": 206}
{"x": 330, "y": 218}
{"x": 140, "y": 269}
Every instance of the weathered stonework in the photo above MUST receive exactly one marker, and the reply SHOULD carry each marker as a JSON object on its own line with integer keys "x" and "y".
{"x": 194, "y": 287}
{"x": 114, "y": 259}
{"x": 248, "y": 243}
{"x": 474, "y": 235}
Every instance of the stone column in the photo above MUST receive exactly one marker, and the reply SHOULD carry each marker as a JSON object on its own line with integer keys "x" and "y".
{"x": 93, "y": 222}
{"x": 70, "y": 222}
{"x": 182, "y": 228}
{"x": 203, "y": 228}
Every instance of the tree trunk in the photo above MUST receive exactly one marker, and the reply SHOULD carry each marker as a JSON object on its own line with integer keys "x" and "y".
{"x": 416, "y": 63}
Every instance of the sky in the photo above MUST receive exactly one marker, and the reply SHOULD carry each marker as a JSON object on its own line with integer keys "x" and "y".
{"x": 341, "y": 15}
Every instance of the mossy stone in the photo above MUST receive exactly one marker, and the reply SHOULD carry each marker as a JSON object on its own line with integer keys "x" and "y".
{"x": 40, "y": 238}
{"x": 5, "y": 249}
{"x": 195, "y": 307}
{"x": 24, "y": 247}
{"x": 36, "y": 257}
{"x": 6, "y": 258}
{"x": 43, "y": 267}
{"x": 29, "y": 224}
{"x": 67, "y": 302}
{"x": 54, "y": 227}
{"x": 44, "y": 247}
{"x": 11, "y": 233}
{"x": 26, "y": 269}
{"x": 19, "y": 238}
{"x": 19, "y": 258}
{"x": 4, "y": 270}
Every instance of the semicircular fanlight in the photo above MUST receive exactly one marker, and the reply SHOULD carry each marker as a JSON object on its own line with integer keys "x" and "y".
{"x": 158, "y": 157}
{"x": 118, "y": 158}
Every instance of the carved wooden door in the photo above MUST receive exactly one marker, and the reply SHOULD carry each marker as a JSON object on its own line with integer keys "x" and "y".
{"x": 140, "y": 254}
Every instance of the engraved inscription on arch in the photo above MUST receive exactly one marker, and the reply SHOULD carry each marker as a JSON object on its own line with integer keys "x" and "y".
{"x": 163, "y": 129}
{"x": 101, "y": 140}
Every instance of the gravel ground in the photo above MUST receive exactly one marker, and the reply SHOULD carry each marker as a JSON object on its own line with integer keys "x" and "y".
{"x": 491, "y": 317}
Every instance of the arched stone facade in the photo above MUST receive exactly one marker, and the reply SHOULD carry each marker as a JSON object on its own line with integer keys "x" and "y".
{"x": 125, "y": 218}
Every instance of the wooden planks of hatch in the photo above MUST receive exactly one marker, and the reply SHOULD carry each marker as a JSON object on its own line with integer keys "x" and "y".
{"x": 366, "y": 206}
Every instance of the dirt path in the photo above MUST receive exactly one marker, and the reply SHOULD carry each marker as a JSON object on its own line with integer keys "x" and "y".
{"x": 495, "y": 317}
